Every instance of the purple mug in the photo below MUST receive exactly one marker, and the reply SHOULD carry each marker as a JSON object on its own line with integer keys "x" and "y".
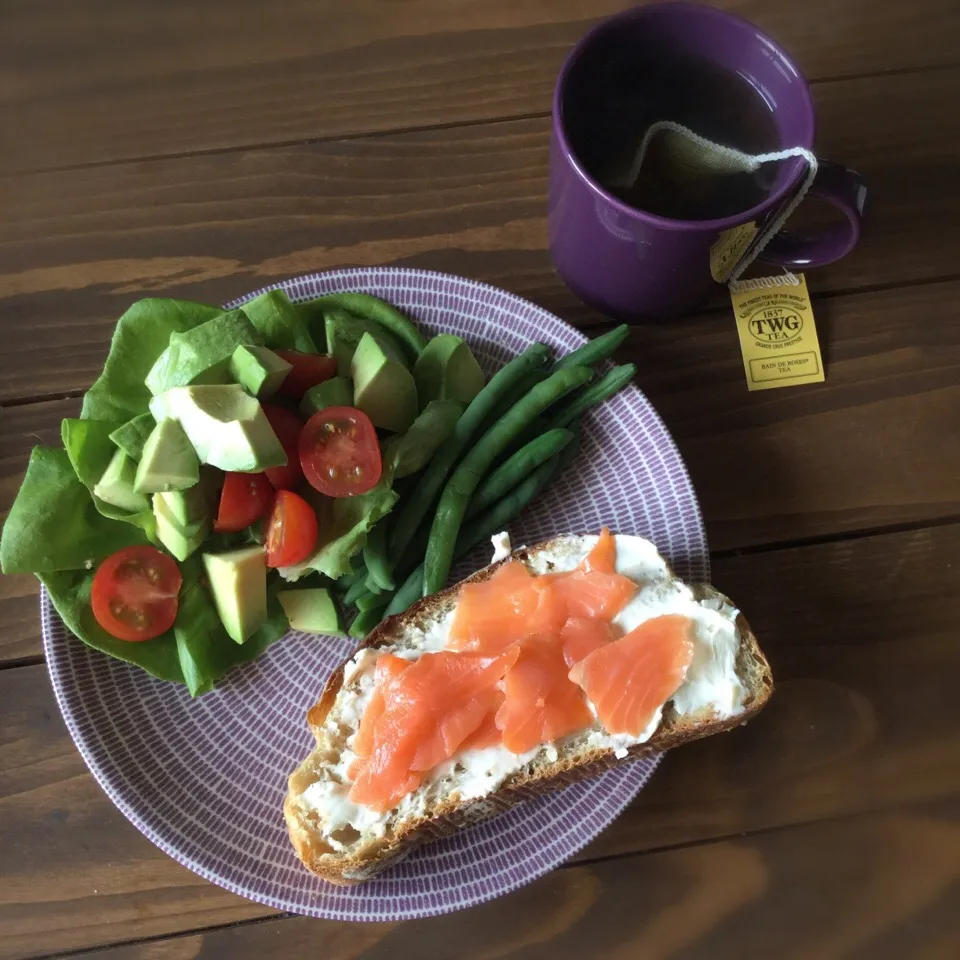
{"x": 636, "y": 265}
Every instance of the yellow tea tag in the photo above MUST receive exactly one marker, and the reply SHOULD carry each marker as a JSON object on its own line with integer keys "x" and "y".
{"x": 729, "y": 248}
{"x": 778, "y": 337}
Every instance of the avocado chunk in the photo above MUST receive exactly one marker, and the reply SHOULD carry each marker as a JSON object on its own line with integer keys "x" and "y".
{"x": 116, "y": 486}
{"x": 447, "y": 370}
{"x": 168, "y": 461}
{"x": 383, "y": 388}
{"x": 238, "y": 580}
{"x": 335, "y": 392}
{"x": 311, "y": 611}
{"x": 202, "y": 355}
{"x": 185, "y": 517}
{"x": 194, "y": 506}
{"x": 258, "y": 370}
{"x": 131, "y": 437}
{"x": 227, "y": 427}
{"x": 180, "y": 539}
{"x": 409, "y": 452}
{"x": 279, "y": 323}
{"x": 344, "y": 333}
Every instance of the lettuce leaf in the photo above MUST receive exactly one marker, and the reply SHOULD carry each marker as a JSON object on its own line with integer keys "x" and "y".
{"x": 54, "y": 525}
{"x": 142, "y": 334}
{"x": 346, "y": 522}
{"x": 70, "y": 592}
{"x": 205, "y": 651}
{"x": 90, "y": 449}
{"x": 196, "y": 651}
{"x": 58, "y": 530}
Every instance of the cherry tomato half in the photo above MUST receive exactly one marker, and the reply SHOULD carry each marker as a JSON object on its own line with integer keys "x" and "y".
{"x": 245, "y": 498}
{"x": 309, "y": 369}
{"x": 134, "y": 593}
{"x": 287, "y": 426}
{"x": 292, "y": 530}
{"x": 339, "y": 452}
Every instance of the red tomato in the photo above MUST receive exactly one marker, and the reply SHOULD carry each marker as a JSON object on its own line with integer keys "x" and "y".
{"x": 339, "y": 452}
{"x": 134, "y": 593}
{"x": 309, "y": 369}
{"x": 245, "y": 498}
{"x": 292, "y": 531}
{"x": 287, "y": 426}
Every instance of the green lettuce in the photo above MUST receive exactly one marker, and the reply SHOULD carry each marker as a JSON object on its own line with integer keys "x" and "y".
{"x": 142, "y": 334}
{"x": 53, "y": 524}
{"x": 70, "y": 592}
{"x": 196, "y": 651}
{"x": 205, "y": 651}
{"x": 90, "y": 449}
{"x": 346, "y": 522}
{"x": 278, "y": 322}
{"x": 58, "y": 530}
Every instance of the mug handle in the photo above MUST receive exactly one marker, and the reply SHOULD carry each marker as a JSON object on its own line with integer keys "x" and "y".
{"x": 842, "y": 188}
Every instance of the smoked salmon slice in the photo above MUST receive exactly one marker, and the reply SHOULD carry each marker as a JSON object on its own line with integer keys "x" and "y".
{"x": 501, "y": 611}
{"x": 514, "y": 605}
{"x": 387, "y": 667}
{"x": 594, "y": 589}
{"x": 526, "y": 658}
{"x": 488, "y": 733}
{"x": 591, "y": 593}
{"x": 540, "y": 704}
{"x": 580, "y": 636}
{"x": 628, "y": 679}
{"x": 603, "y": 557}
{"x": 429, "y": 709}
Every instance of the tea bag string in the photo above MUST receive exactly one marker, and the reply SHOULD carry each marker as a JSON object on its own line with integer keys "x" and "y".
{"x": 742, "y": 162}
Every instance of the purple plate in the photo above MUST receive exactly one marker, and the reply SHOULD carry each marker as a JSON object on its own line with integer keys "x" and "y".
{"x": 205, "y": 779}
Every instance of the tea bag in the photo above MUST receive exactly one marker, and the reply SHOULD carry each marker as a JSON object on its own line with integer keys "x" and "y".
{"x": 692, "y": 160}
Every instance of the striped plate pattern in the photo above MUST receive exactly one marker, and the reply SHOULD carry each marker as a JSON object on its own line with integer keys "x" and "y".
{"x": 205, "y": 779}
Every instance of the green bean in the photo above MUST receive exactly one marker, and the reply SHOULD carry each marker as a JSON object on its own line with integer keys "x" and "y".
{"x": 364, "y": 622}
{"x": 512, "y": 471}
{"x": 423, "y": 496}
{"x": 519, "y": 391}
{"x": 373, "y": 308}
{"x": 409, "y": 593}
{"x": 375, "y": 558}
{"x": 466, "y": 478}
{"x": 359, "y": 589}
{"x": 605, "y": 387}
{"x": 372, "y": 601}
{"x": 572, "y": 450}
{"x": 593, "y": 351}
{"x": 497, "y": 518}
{"x": 349, "y": 579}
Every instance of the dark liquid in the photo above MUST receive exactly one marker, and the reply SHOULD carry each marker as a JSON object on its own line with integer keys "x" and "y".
{"x": 610, "y": 103}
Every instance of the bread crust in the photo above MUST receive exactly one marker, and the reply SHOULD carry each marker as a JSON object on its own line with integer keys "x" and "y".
{"x": 453, "y": 814}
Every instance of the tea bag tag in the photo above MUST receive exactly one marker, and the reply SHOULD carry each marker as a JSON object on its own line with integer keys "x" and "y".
{"x": 778, "y": 336}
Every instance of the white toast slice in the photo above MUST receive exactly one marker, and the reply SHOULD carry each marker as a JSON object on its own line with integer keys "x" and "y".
{"x": 728, "y": 682}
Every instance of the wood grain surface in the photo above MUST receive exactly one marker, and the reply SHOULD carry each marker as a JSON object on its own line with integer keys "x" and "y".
{"x": 118, "y": 79}
{"x": 202, "y": 149}
{"x": 855, "y": 727}
{"x": 721, "y": 901}
{"x": 77, "y": 246}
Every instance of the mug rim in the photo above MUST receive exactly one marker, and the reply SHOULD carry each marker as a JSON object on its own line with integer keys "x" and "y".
{"x": 667, "y": 223}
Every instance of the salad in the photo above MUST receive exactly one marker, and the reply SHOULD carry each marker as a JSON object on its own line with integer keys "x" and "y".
{"x": 237, "y": 473}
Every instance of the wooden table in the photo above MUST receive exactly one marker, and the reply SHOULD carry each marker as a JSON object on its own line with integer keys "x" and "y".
{"x": 202, "y": 149}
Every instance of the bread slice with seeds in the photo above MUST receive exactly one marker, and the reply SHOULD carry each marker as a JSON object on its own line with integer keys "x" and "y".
{"x": 727, "y": 683}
